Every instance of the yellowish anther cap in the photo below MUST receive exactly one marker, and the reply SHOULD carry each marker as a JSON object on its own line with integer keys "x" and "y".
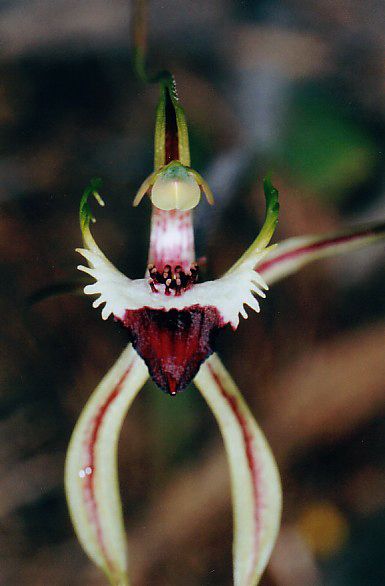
{"x": 175, "y": 193}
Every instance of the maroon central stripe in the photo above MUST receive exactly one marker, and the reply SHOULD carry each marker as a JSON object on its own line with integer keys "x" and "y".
{"x": 249, "y": 450}
{"x": 171, "y": 132}
{"x": 89, "y": 467}
{"x": 173, "y": 343}
{"x": 292, "y": 254}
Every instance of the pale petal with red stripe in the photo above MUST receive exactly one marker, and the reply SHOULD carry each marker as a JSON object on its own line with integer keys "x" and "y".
{"x": 291, "y": 255}
{"x": 255, "y": 483}
{"x": 91, "y": 478}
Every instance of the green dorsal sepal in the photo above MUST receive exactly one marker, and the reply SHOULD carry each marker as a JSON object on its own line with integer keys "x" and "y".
{"x": 171, "y": 132}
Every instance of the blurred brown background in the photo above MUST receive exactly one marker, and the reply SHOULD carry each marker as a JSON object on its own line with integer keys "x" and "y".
{"x": 293, "y": 87}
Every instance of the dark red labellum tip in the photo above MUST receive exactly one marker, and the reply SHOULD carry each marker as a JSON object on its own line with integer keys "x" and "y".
{"x": 173, "y": 343}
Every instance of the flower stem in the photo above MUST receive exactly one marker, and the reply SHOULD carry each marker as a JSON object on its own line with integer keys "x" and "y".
{"x": 171, "y": 132}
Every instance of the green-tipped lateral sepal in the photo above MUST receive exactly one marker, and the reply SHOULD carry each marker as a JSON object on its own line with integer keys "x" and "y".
{"x": 252, "y": 254}
{"x": 85, "y": 214}
{"x": 271, "y": 216}
{"x": 174, "y": 187}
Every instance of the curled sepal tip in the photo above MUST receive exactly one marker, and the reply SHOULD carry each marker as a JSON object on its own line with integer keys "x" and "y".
{"x": 252, "y": 254}
{"x": 255, "y": 483}
{"x": 91, "y": 479}
{"x": 85, "y": 213}
{"x": 272, "y": 213}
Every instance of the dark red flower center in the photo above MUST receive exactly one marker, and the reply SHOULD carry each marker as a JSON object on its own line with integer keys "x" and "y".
{"x": 173, "y": 343}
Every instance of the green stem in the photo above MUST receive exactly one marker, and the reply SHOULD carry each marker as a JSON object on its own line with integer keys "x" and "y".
{"x": 171, "y": 132}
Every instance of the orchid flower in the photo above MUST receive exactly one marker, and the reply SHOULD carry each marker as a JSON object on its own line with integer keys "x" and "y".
{"x": 172, "y": 320}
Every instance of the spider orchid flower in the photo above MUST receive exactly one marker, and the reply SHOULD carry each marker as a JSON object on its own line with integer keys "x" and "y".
{"x": 172, "y": 320}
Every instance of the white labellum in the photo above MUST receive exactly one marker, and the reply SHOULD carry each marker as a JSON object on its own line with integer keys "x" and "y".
{"x": 228, "y": 294}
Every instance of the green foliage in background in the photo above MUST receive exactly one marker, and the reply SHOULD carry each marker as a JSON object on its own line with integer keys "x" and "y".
{"x": 324, "y": 147}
